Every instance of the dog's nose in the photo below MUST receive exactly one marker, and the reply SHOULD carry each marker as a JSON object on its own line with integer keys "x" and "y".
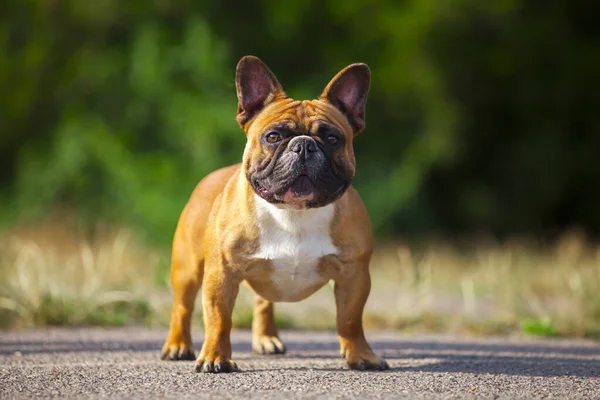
{"x": 303, "y": 145}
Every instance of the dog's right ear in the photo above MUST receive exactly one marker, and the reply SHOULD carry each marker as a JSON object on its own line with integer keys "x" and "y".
{"x": 256, "y": 87}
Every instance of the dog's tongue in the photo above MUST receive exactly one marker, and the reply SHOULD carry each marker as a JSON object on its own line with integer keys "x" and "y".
{"x": 300, "y": 191}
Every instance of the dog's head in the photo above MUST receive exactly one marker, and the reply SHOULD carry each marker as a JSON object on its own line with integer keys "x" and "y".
{"x": 299, "y": 153}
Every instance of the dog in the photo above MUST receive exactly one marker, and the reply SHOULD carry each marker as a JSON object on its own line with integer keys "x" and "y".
{"x": 285, "y": 221}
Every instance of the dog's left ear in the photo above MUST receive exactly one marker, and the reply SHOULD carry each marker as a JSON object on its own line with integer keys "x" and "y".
{"x": 348, "y": 91}
{"x": 256, "y": 87}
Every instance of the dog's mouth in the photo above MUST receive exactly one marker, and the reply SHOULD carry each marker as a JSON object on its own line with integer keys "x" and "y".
{"x": 297, "y": 193}
{"x": 301, "y": 188}
{"x": 261, "y": 189}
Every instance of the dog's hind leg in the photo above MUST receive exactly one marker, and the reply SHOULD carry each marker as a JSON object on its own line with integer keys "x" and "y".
{"x": 186, "y": 278}
{"x": 265, "y": 339}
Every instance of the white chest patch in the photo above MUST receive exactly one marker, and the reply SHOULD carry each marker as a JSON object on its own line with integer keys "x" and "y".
{"x": 294, "y": 240}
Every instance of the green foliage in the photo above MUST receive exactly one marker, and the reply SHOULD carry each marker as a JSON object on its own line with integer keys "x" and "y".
{"x": 242, "y": 317}
{"x": 285, "y": 321}
{"x": 539, "y": 327}
{"x": 482, "y": 115}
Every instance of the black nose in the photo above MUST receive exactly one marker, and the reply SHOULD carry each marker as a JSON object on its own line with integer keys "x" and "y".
{"x": 303, "y": 145}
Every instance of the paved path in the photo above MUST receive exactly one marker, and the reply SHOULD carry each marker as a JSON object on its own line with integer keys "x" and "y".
{"x": 124, "y": 363}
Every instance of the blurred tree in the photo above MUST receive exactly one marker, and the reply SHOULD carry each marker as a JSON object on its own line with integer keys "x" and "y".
{"x": 127, "y": 107}
{"x": 482, "y": 115}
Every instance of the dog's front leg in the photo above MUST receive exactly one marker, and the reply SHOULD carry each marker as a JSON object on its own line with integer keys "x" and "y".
{"x": 219, "y": 291}
{"x": 351, "y": 293}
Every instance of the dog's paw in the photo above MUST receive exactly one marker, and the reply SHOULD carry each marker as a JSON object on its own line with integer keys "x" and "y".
{"x": 366, "y": 360}
{"x": 175, "y": 351}
{"x": 215, "y": 364}
{"x": 265, "y": 344}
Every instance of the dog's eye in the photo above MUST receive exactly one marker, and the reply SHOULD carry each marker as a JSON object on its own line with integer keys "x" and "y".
{"x": 273, "y": 137}
{"x": 332, "y": 139}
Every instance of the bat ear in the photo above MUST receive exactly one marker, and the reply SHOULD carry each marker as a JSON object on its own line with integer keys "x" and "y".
{"x": 348, "y": 91}
{"x": 256, "y": 87}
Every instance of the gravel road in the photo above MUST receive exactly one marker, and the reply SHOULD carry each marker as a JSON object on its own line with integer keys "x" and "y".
{"x": 124, "y": 363}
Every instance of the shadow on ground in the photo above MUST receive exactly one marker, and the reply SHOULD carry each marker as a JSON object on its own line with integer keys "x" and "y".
{"x": 526, "y": 359}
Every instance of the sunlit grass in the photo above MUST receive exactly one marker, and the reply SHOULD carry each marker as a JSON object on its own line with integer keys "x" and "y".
{"x": 544, "y": 290}
{"x": 102, "y": 283}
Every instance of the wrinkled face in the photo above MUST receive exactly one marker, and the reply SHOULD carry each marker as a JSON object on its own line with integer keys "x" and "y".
{"x": 299, "y": 153}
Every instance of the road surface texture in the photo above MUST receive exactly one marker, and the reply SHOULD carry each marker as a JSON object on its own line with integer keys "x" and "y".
{"x": 125, "y": 363}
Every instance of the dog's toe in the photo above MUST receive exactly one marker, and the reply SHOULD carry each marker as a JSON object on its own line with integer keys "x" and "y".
{"x": 216, "y": 366}
{"x": 365, "y": 361}
{"x": 268, "y": 345}
{"x": 177, "y": 352}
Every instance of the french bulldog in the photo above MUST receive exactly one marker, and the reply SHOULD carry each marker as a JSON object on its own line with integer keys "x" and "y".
{"x": 284, "y": 222}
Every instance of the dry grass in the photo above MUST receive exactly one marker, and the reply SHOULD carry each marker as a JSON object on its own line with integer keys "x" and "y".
{"x": 50, "y": 279}
{"x": 489, "y": 289}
